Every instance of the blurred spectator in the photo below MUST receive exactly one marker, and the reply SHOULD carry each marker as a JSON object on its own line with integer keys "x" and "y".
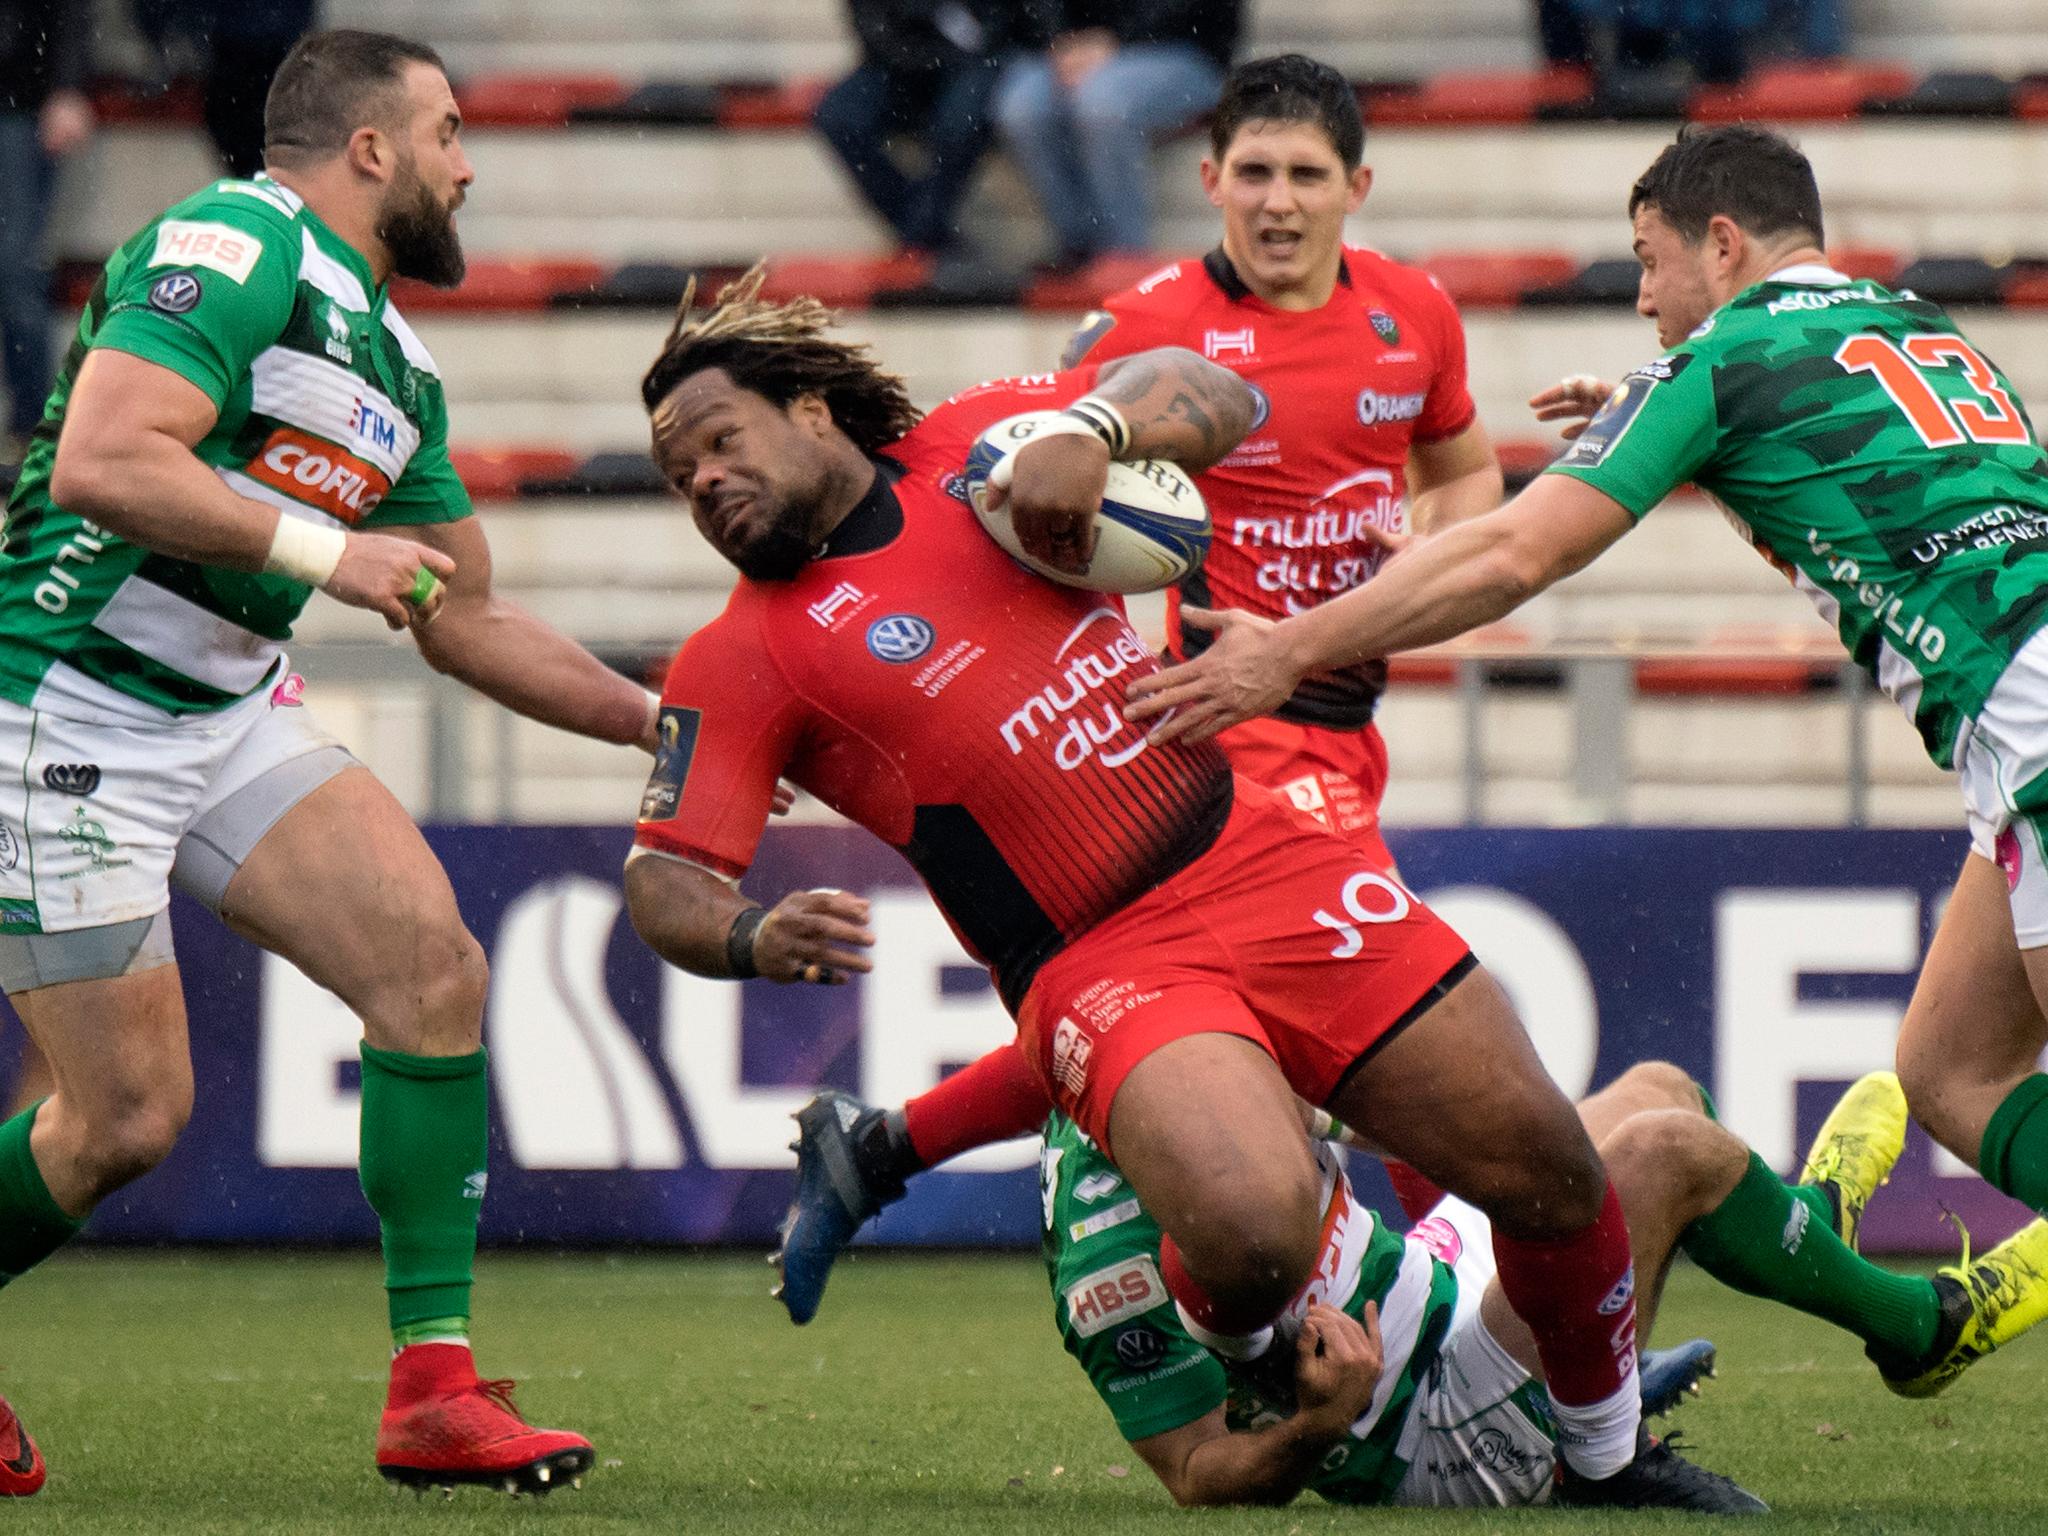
{"x": 44, "y": 115}
{"x": 1711, "y": 39}
{"x": 239, "y": 44}
{"x": 1080, "y": 117}
{"x": 927, "y": 70}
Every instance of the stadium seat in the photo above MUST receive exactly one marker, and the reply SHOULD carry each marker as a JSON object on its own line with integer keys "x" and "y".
{"x": 500, "y": 285}
{"x": 1949, "y": 93}
{"x": 533, "y": 101}
{"x": 496, "y": 474}
{"x": 789, "y": 104}
{"x": 1803, "y": 92}
{"x": 1453, "y": 99}
{"x": 1955, "y": 280}
{"x": 1497, "y": 279}
{"x": 1611, "y": 280}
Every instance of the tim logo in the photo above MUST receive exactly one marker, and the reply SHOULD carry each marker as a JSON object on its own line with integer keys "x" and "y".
{"x": 1239, "y": 343}
{"x": 899, "y": 638}
{"x": 372, "y": 426}
{"x": 836, "y": 606}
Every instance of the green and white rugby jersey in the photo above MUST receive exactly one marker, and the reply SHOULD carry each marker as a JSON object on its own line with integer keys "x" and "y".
{"x": 1871, "y": 453}
{"x": 330, "y": 409}
{"x": 1116, "y": 1319}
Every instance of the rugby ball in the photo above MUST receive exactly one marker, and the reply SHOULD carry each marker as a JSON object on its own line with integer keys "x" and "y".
{"x": 1151, "y": 529}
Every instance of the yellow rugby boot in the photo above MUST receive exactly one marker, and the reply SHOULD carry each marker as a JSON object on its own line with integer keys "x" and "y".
{"x": 1857, "y": 1145}
{"x": 1986, "y": 1302}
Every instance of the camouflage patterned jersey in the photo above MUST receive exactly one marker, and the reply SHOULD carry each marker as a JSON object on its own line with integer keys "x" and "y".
{"x": 1113, "y": 1313}
{"x": 329, "y": 410}
{"x": 1871, "y": 453}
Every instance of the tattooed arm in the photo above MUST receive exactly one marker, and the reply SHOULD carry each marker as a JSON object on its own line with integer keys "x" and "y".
{"x": 1179, "y": 407}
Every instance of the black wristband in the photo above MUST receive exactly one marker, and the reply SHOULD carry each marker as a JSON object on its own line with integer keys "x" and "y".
{"x": 739, "y": 943}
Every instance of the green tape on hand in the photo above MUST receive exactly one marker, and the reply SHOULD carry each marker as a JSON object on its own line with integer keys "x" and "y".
{"x": 424, "y": 586}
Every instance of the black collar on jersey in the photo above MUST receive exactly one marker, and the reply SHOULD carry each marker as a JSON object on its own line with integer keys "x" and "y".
{"x": 1224, "y": 275}
{"x": 875, "y": 520}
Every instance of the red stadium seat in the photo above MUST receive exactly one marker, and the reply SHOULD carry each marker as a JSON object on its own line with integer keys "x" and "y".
{"x": 1871, "y": 262}
{"x": 1095, "y": 282}
{"x": 786, "y": 105}
{"x": 123, "y": 101}
{"x": 1497, "y": 279}
{"x": 1523, "y": 459}
{"x": 534, "y": 101}
{"x": 496, "y": 474}
{"x": 844, "y": 282}
{"x": 1511, "y": 96}
{"x": 1800, "y": 92}
{"x": 1706, "y": 675}
{"x": 504, "y": 285}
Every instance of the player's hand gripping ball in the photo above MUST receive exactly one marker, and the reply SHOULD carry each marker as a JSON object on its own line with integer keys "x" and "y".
{"x": 1151, "y": 529}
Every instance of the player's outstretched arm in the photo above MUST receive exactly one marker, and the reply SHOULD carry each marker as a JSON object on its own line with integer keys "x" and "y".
{"x": 1467, "y": 576}
{"x": 505, "y": 653}
{"x": 1338, "y": 1366}
{"x": 699, "y": 922}
{"x": 125, "y": 462}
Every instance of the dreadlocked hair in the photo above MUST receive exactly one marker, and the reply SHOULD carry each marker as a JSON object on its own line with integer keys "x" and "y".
{"x": 779, "y": 351}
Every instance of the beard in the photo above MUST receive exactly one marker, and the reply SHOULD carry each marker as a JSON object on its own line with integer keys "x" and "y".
{"x": 779, "y": 551}
{"x": 419, "y": 232}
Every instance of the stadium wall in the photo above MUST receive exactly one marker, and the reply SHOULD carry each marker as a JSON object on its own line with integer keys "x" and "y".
{"x": 635, "y": 1104}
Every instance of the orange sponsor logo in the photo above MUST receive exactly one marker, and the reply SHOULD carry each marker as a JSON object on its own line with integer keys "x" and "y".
{"x": 312, "y": 470}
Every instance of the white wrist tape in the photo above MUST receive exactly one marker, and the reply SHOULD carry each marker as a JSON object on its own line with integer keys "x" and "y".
{"x": 1105, "y": 421}
{"x": 304, "y": 551}
{"x": 1062, "y": 425}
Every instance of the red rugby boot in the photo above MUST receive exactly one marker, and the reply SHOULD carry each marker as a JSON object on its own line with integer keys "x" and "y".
{"x": 442, "y": 1426}
{"x": 21, "y": 1464}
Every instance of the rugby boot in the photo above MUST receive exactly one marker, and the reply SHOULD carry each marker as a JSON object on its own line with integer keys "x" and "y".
{"x": 21, "y": 1464}
{"x": 1985, "y": 1302}
{"x": 1859, "y": 1141}
{"x": 1669, "y": 1375}
{"x": 442, "y": 1426}
{"x": 1659, "y": 1478}
{"x": 843, "y": 1149}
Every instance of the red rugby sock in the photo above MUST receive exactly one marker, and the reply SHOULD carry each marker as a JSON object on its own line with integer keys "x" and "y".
{"x": 1577, "y": 1294}
{"x": 996, "y": 1098}
{"x": 1418, "y": 1196}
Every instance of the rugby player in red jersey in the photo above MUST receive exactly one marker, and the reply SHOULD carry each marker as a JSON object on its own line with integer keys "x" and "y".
{"x": 1183, "y": 951}
{"x": 1358, "y": 367}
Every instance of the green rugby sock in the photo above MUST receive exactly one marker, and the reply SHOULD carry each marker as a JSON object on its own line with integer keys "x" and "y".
{"x": 2014, "y": 1153}
{"x": 1767, "y": 1239}
{"x": 32, "y": 1225}
{"x": 425, "y": 1125}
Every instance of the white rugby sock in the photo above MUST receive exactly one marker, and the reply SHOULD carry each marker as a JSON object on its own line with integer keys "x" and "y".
{"x": 1599, "y": 1439}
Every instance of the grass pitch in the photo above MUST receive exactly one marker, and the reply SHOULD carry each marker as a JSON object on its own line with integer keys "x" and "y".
{"x": 190, "y": 1392}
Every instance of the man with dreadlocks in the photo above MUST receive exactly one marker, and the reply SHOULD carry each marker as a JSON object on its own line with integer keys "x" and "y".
{"x": 1184, "y": 953}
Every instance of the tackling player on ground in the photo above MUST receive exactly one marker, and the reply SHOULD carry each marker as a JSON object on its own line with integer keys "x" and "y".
{"x": 1416, "y": 1384}
{"x": 1165, "y": 935}
{"x": 1363, "y": 416}
{"x": 1870, "y": 452}
{"x": 241, "y": 408}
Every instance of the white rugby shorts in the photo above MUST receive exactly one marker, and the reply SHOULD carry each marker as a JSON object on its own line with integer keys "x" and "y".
{"x": 95, "y": 801}
{"x": 2002, "y": 761}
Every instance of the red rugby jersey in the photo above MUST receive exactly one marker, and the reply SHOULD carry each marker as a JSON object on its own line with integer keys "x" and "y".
{"x": 965, "y": 711}
{"x": 1344, "y": 391}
